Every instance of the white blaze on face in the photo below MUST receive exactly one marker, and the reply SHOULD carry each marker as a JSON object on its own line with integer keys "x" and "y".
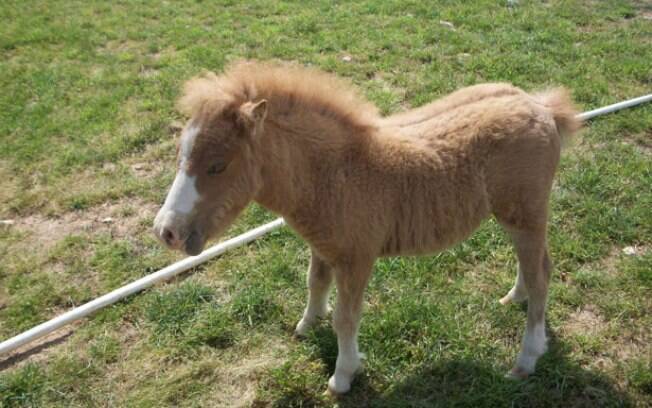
{"x": 183, "y": 195}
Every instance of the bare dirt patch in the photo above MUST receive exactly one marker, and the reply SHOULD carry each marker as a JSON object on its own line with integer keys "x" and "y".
{"x": 626, "y": 346}
{"x": 641, "y": 142}
{"x": 609, "y": 264}
{"x": 586, "y": 321}
{"x": 146, "y": 170}
{"x": 237, "y": 383}
{"x": 149, "y": 73}
{"x": 118, "y": 219}
{"x": 156, "y": 159}
{"x": 630, "y": 346}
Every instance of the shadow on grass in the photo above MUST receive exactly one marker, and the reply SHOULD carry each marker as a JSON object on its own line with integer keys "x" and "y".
{"x": 475, "y": 383}
{"x": 27, "y": 351}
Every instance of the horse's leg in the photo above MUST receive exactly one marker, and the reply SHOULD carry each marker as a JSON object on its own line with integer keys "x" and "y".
{"x": 518, "y": 293}
{"x": 320, "y": 277}
{"x": 351, "y": 282}
{"x": 534, "y": 265}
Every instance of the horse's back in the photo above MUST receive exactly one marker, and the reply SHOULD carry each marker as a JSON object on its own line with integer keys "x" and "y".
{"x": 461, "y": 97}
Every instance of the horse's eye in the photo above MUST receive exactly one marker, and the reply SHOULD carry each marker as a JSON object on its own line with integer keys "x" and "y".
{"x": 216, "y": 168}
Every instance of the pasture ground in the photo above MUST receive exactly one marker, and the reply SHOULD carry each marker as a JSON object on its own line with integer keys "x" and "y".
{"x": 87, "y": 126}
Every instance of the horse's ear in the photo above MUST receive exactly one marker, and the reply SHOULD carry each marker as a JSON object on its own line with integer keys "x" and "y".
{"x": 254, "y": 112}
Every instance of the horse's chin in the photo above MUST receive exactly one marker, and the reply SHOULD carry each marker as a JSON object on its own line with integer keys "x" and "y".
{"x": 194, "y": 244}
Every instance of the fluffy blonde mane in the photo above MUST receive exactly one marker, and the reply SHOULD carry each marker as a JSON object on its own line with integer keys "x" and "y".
{"x": 288, "y": 88}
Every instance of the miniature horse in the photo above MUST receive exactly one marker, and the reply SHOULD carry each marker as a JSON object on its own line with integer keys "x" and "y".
{"x": 357, "y": 186}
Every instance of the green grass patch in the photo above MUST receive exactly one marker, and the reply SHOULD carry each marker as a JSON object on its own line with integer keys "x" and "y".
{"x": 87, "y": 122}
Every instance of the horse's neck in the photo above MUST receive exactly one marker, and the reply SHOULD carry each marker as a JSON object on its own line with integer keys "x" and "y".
{"x": 297, "y": 159}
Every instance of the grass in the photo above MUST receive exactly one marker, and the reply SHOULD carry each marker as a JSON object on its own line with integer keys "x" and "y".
{"x": 86, "y": 132}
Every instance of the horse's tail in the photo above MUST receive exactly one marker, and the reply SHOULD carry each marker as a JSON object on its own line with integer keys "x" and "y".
{"x": 563, "y": 111}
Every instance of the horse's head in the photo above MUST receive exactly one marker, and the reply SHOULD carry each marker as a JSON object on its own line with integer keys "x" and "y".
{"x": 217, "y": 175}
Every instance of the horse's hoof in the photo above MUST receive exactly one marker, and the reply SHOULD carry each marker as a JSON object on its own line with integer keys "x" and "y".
{"x": 337, "y": 387}
{"x": 302, "y": 329}
{"x": 505, "y": 300}
{"x": 510, "y": 298}
{"x": 330, "y": 393}
{"x": 333, "y": 396}
{"x": 517, "y": 373}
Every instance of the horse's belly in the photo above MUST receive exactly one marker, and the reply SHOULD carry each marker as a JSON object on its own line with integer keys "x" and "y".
{"x": 441, "y": 231}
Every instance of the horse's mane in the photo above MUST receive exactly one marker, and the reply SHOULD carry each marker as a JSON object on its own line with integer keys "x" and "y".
{"x": 288, "y": 88}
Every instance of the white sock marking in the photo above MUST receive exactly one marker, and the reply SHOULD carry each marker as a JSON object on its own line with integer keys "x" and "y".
{"x": 534, "y": 345}
{"x": 347, "y": 364}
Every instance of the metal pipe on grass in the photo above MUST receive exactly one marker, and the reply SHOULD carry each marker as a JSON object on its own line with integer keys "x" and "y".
{"x": 142, "y": 283}
{"x": 615, "y": 107}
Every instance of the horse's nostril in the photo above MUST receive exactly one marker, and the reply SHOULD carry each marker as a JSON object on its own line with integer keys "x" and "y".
{"x": 168, "y": 236}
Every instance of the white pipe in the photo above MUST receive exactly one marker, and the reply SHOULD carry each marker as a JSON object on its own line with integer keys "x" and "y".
{"x": 187, "y": 263}
{"x": 615, "y": 107}
{"x": 142, "y": 283}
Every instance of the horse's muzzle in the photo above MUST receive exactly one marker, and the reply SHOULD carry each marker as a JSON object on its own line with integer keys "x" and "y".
{"x": 174, "y": 231}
